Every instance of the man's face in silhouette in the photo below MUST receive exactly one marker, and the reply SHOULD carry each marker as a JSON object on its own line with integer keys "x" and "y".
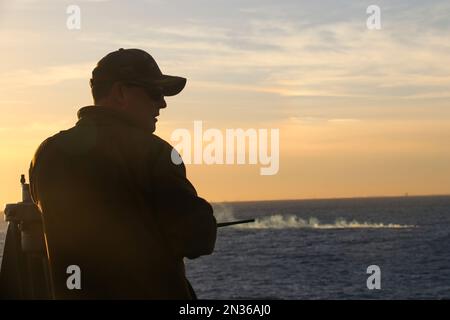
{"x": 143, "y": 104}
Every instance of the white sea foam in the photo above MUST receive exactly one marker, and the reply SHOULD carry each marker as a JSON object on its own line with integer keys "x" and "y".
{"x": 223, "y": 212}
{"x": 291, "y": 221}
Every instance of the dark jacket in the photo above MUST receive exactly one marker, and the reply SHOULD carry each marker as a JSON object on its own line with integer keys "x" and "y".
{"x": 115, "y": 205}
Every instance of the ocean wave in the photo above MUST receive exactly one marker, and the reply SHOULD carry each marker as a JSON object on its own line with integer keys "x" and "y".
{"x": 291, "y": 221}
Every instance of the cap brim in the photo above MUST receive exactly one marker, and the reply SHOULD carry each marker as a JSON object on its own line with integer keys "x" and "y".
{"x": 170, "y": 85}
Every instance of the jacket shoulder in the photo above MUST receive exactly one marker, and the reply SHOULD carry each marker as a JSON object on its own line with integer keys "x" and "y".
{"x": 46, "y": 145}
{"x": 169, "y": 160}
{"x": 160, "y": 142}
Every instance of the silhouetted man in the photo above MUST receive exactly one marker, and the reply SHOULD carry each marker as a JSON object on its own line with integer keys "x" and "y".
{"x": 113, "y": 202}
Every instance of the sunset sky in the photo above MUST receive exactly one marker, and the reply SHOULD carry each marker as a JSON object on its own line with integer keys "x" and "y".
{"x": 360, "y": 112}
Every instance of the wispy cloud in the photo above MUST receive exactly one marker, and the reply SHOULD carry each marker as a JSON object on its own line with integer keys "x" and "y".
{"x": 45, "y": 76}
{"x": 339, "y": 59}
{"x": 291, "y": 49}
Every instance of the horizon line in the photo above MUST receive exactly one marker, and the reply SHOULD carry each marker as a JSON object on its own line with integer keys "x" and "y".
{"x": 330, "y": 198}
{"x": 339, "y": 198}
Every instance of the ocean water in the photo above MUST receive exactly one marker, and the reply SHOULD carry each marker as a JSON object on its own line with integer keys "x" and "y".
{"x": 321, "y": 249}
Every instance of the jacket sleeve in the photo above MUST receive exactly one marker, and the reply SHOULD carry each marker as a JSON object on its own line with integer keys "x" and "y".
{"x": 186, "y": 219}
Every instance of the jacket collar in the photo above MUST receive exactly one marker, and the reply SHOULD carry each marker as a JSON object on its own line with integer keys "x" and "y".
{"x": 108, "y": 115}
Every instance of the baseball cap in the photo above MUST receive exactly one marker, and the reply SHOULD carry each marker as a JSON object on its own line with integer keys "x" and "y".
{"x": 135, "y": 66}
